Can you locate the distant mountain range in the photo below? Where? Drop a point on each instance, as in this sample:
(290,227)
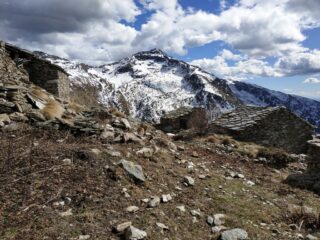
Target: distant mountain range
(149,84)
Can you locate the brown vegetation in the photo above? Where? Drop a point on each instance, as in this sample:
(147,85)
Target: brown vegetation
(40,93)
(52,110)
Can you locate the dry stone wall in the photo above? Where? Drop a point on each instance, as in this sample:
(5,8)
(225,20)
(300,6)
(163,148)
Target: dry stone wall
(271,127)
(40,72)
(184,118)
(311,178)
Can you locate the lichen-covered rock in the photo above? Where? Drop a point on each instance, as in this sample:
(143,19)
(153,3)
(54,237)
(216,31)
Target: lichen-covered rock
(234,234)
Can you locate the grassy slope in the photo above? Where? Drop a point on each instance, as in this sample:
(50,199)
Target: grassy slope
(33,177)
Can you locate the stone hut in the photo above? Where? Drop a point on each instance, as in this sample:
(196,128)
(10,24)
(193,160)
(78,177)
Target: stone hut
(267,126)
(41,72)
(184,118)
(311,178)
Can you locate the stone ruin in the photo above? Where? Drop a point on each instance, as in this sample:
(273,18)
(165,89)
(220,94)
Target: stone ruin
(311,178)
(184,118)
(267,126)
(41,72)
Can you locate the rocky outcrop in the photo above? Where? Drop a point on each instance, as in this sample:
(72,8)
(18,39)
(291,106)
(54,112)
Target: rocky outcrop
(267,126)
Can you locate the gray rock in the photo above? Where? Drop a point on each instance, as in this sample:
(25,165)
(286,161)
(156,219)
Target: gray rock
(18,117)
(311,237)
(189,181)
(146,152)
(107,135)
(133,233)
(134,170)
(132,209)
(154,202)
(166,198)
(217,229)
(210,220)
(195,213)
(162,226)
(182,208)
(4,119)
(234,234)
(125,123)
(219,219)
(122,227)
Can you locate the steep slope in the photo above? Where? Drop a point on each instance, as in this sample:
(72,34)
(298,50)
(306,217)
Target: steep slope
(150,83)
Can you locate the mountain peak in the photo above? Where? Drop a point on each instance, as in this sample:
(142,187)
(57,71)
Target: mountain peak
(153,53)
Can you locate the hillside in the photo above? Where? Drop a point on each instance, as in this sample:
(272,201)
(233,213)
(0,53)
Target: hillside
(150,83)
(74,172)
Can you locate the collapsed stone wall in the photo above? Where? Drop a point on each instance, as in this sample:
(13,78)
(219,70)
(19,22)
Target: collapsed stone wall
(9,72)
(311,178)
(49,77)
(40,72)
(272,127)
(184,119)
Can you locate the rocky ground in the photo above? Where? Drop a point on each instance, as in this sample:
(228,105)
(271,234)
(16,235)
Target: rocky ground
(59,185)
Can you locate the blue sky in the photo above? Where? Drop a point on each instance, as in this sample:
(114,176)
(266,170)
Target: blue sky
(272,43)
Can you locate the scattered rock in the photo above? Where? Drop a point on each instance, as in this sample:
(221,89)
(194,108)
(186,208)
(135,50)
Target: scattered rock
(195,154)
(126,123)
(145,152)
(134,170)
(219,219)
(133,233)
(189,181)
(154,202)
(166,198)
(66,213)
(67,161)
(182,208)
(113,153)
(162,226)
(234,234)
(122,227)
(217,229)
(210,220)
(311,237)
(195,213)
(132,209)
(84,237)
(4,119)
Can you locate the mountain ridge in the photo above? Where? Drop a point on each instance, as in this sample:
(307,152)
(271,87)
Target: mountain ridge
(151,83)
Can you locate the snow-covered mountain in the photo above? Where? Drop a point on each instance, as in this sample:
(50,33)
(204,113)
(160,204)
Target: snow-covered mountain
(150,83)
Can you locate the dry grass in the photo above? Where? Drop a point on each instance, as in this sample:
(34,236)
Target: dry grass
(76,107)
(117,113)
(222,139)
(40,93)
(52,110)
(276,157)
(33,177)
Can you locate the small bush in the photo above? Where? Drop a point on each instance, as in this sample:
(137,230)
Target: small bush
(213,139)
(276,157)
(52,110)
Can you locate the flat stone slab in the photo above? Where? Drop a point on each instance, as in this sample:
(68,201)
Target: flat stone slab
(134,170)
